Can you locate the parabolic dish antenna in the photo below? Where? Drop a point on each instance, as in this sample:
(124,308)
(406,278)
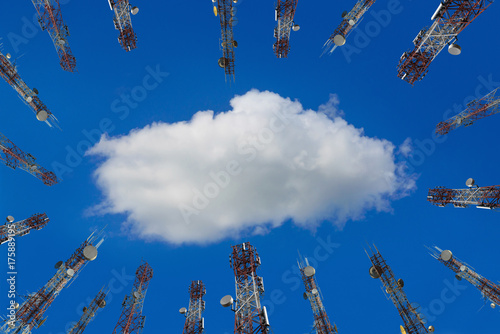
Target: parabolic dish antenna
(136,295)
(458,277)
(58,265)
(470,182)
(227,301)
(401,283)
(314,291)
(454,49)
(42,115)
(10,219)
(463,268)
(493,305)
(182,310)
(374,273)
(339,40)
(134,10)
(29,99)
(352,22)
(70,272)
(309,271)
(446,255)
(90,252)
(304,295)
(102,303)
(431,329)
(295,27)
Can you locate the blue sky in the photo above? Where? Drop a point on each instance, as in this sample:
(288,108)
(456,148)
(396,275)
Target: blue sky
(181,39)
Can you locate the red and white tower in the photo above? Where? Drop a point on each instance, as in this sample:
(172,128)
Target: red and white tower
(50,19)
(322,324)
(123,23)
(449,19)
(250,316)
(481,197)
(29,315)
(285,11)
(413,321)
(23,227)
(89,313)
(131,320)
(195,323)
(227,16)
(462,270)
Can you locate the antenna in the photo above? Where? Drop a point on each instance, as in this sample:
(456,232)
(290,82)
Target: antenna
(481,197)
(123,23)
(284,14)
(89,312)
(23,227)
(194,321)
(227,18)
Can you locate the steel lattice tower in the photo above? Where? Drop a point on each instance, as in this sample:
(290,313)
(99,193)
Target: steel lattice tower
(413,322)
(321,322)
(29,315)
(450,18)
(349,22)
(123,23)
(285,11)
(23,227)
(89,313)
(13,157)
(486,106)
(131,320)
(195,323)
(488,289)
(481,197)
(227,18)
(50,18)
(27,95)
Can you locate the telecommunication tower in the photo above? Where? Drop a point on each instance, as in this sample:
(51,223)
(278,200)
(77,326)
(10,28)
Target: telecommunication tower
(23,227)
(131,320)
(462,270)
(250,316)
(123,23)
(27,95)
(13,157)
(486,106)
(413,321)
(50,19)
(227,17)
(321,322)
(481,197)
(89,313)
(349,22)
(284,13)
(195,323)
(450,18)
(29,315)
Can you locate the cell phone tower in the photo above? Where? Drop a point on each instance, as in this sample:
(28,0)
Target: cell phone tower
(195,323)
(450,18)
(481,197)
(13,157)
(29,315)
(123,23)
(349,22)
(462,270)
(321,322)
(486,106)
(250,316)
(227,16)
(27,95)
(23,227)
(284,13)
(50,19)
(413,321)
(89,313)
(131,320)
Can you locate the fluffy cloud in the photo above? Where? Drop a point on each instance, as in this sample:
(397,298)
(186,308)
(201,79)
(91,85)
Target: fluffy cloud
(246,171)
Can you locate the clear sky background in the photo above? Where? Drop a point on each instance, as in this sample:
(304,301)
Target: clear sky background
(286,199)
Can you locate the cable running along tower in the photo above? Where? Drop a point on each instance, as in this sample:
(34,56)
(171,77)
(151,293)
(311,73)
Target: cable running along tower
(321,322)
(481,197)
(227,17)
(123,23)
(29,315)
(13,157)
(89,313)
(413,321)
(284,13)
(250,316)
(23,227)
(50,19)
(195,323)
(131,320)
(450,18)
(486,106)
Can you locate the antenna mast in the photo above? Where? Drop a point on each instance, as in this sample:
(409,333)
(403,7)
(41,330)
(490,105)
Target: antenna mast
(285,11)
(123,23)
(227,15)
(481,197)
(89,313)
(195,323)
(23,227)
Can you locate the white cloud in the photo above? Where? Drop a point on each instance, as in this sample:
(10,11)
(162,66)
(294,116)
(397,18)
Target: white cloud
(245,171)
(406,148)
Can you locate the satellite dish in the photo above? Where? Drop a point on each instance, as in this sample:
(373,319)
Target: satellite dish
(304,295)
(431,329)
(90,252)
(374,273)
(222,62)
(446,255)
(454,49)
(58,265)
(42,115)
(235,1)
(70,272)
(470,182)
(344,13)
(463,268)
(16,305)
(10,219)
(388,290)
(314,291)
(8,55)
(84,309)
(61,41)
(235,44)
(136,295)
(402,329)
(182,310)
(227,301)
(309,271)
(35,91)
(458,277)
(134,10)
(295,27)
(29,99)
(401,283)
(339,40)
(352,22)
(102,303)
(493,305)
(215,10)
